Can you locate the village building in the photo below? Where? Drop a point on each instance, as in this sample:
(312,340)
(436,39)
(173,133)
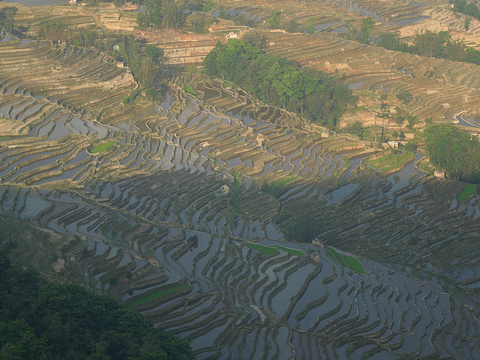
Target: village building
(393,144)
(439,174)
(232,35)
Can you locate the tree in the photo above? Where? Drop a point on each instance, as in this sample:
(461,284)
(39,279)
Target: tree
(7,18)
(153,53)
(428,44)
(68,322)
(466,23)
(53,30)
(454,151)
(389,41)
(292,26)
(367,26)
(456,50)
(309,26)
(404,96)
(275,21)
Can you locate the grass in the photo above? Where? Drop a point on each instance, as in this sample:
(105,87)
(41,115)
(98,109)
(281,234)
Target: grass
(272,250)
(468,190)
(227,84)
(347,261)
(190,90)
(290,250)
(264,249)
(276,186)
(237,182)
(102,147)
(157,295)
(391,161)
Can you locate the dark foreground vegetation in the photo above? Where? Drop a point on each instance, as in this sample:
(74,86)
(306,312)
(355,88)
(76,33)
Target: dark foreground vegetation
(40,320)
(455,151)
(314,95)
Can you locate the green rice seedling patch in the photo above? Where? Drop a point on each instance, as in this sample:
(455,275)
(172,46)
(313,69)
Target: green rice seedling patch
(468,190)
(227,84)
(263,249)
(276,186)
(391,161)
(4,138)
(190,90)
(290,250)
(157,295)
(236,180)
(347,261)
(399,161)
(102,147)
(281,183)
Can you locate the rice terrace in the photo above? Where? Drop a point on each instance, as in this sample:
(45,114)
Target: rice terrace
(265,179)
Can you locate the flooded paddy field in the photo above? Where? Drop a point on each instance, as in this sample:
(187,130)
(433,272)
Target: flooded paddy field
(183,210)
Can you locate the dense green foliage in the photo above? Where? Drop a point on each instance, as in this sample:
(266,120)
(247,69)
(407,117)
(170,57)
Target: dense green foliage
(7,18)
(41,320)
(363,34)
(162,14)
(305,228)
(53,30)
(439,45)
(277,81)
(454,151)
(463,7)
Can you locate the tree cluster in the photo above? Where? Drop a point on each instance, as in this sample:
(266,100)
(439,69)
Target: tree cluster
(40,320)
(454,151)
(162,14)
(277,21)
(279,82)
(463,7)
(363,34)
(7,18)
(439,45)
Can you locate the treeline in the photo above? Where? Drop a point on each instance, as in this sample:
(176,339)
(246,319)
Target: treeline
(167,14)
(279,82)
(454,151)
(40,320)
(439,45)
(463,7)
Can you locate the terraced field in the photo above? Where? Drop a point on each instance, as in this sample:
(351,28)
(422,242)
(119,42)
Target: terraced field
(331,15)
(441,88)
(184,215)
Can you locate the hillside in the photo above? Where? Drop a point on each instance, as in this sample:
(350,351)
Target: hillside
(240,226)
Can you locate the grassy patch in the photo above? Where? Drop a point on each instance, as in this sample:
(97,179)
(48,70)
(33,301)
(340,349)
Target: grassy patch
(102,147)
(237,181)
(290,250)
(468,190)
(190,90)
(227,84)
(276,186)
(392,160)
(264,249)
(152,297)
(3,138)
(347,261)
